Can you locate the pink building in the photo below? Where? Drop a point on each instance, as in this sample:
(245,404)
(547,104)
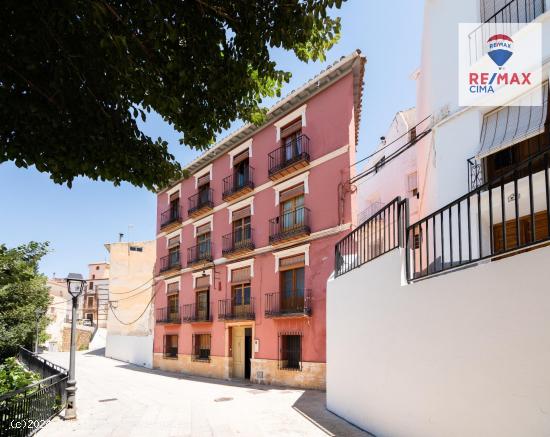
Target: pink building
(245,245)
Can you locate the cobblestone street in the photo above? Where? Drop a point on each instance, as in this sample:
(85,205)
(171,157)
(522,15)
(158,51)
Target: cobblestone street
(119,399)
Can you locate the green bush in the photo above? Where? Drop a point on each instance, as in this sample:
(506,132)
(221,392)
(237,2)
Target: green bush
(14,376)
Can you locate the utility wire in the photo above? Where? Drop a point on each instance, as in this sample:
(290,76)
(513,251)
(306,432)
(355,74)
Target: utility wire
(139,317)
(126,292)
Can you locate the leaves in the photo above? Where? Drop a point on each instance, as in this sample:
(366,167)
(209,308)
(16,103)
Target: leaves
(14,376)
(76,75)
(22,291)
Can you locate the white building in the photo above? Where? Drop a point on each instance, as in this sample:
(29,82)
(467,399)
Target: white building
(444,329)
(130,319)
(57,311)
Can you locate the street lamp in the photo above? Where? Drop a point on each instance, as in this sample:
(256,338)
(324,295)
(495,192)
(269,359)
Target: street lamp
(38,313)
(75,286)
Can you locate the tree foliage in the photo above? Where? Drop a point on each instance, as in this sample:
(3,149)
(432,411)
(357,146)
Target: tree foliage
(22,291)
(14,376)
(77,74)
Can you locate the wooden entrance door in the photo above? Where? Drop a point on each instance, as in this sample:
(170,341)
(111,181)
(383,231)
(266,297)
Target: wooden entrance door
(238,351)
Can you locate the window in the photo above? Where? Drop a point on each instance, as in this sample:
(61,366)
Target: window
(90,301)
(412,184)
(241,174)
(173,308)
(203,245)
(290,351)
(202,305)
(291,136)
(174,206)
(91,285)
(136,249)
(292,212)
(170,346)
(97,267)
(240,294)
(173,251)
(204,194)
(173,287)
(241,230)
(292,286)
(201,347)
(93,276)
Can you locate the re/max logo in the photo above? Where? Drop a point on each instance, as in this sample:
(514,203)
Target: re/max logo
(483,82)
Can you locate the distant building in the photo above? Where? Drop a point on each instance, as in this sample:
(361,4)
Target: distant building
(130,308)
(96,295)
(56,312)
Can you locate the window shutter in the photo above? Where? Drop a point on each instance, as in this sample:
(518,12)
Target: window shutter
(174,196)
(291,128)
(202,282)
(240,275)
(173,288)
(291,192)
(292,262)
(412,181)
(203,180)
(509,125)
(241,213)
(173,242)
(203,229)
(240,157)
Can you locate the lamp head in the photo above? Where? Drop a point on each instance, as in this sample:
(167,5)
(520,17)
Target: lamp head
(75,284)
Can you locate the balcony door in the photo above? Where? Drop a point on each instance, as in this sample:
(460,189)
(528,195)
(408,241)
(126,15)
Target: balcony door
(292,212)
(292,290)
(173,310)
(241,231)
(174,207)
(204,194)
(241,299)
(240,174)
(203,246)
(202,301)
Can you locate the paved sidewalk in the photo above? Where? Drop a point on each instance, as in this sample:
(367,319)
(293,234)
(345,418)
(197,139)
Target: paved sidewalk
(119,399)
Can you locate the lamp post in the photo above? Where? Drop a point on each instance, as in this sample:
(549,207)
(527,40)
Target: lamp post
(75,286)
(38,313)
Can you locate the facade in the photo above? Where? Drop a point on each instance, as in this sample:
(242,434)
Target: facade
(245,244)
(96,294)
(57,312)
(130,318)
(452,307)
(391,170)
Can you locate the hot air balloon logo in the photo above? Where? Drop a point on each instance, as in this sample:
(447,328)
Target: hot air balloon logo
(500,48)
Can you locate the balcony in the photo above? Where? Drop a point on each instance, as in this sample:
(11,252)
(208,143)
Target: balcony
(170,219)
(233,309)
(170,262)
(289,226)
(201,203)
(168,315)
(292,303)
(238,184)
(237,243)
(199,254)
(196,313)
(289,158)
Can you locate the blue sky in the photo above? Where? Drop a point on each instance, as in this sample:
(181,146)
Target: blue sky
(78,221)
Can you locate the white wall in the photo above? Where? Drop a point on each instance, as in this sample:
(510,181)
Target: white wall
(463,354)
(132,349)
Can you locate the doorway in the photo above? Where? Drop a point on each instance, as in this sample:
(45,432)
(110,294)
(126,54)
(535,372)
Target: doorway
(242,351)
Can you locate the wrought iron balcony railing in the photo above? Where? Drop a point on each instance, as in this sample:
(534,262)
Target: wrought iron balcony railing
(170,261)
(293,152)
(200,253)
(237,241)
(196,313)
(236,309)
(171,215)
(290,224)
(288,303)
(236,182)
(203,199)
(168,315)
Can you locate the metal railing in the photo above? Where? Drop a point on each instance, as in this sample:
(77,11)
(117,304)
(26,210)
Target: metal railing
(503,20)
(289,224)
(203,199)
(289,154)
(237,241)
(170,261)
(381,233)
(235,182)
(368,212)
(171,215)
(25,411)
(200,253)
(233,309)
(288,303)
(196,313)
(501,216)
(168,315)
